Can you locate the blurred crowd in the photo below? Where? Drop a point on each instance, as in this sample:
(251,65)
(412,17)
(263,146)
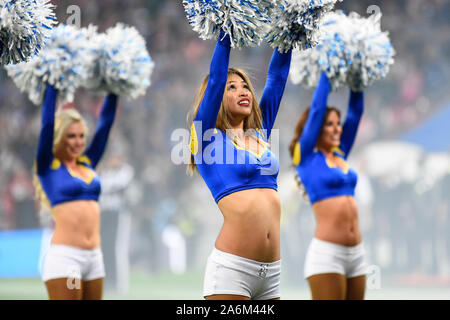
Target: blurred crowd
(404,231)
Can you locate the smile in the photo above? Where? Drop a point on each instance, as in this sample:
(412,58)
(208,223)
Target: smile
(244,102)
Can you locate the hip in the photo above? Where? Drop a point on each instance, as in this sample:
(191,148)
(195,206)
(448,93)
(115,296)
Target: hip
(327,257)
(85,240)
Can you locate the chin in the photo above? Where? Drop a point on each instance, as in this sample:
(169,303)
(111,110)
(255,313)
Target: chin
(75,155)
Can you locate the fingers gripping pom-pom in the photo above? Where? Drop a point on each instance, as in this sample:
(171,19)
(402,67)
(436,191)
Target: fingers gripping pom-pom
(296,24)
(353,52)
(24,27)
(63,63)
(123,65)
(246,21)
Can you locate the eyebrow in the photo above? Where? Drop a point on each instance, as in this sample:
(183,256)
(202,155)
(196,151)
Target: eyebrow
(237,81)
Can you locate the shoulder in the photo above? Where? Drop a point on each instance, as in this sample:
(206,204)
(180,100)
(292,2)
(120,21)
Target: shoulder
(84,159)
(338,151)
(261,133)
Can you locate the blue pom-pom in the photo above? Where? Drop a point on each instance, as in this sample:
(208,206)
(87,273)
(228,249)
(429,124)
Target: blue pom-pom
(122,64)
(296,24)
(63,63)
(24,27)
(246,21)
(353,52)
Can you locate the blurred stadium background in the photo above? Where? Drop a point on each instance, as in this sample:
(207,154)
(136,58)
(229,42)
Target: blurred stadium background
(169,221)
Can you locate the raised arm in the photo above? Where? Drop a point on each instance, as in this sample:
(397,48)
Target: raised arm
(44,155)
(350,128)
(316,114)
(95,150)
(210,105)
(273,91)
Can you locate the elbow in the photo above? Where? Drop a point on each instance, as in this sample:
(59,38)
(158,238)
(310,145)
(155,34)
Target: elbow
(217,81)
(317,108)
(278,77)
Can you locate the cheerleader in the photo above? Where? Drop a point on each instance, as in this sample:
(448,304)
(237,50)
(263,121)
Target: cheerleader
(335,265)
(241,173)
(66,182)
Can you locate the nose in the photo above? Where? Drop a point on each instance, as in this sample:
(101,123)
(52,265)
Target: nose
(244,93)
(79,141)
(338,129)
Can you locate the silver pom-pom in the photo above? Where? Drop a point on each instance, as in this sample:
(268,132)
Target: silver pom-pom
(353,52)
(296,24)
(246,21)
(24,27)
(122,65)
(62,63)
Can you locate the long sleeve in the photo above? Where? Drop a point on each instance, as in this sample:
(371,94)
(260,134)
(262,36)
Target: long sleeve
(44,155)
(273,91)
(317,111)
(350,128)
(98,144)
(210,105)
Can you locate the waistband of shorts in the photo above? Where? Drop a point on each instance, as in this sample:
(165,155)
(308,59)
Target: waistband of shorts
(336,248)
(232,260)
(62,248)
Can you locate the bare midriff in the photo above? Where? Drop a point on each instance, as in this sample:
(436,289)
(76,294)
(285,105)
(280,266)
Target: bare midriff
(251,227)
(77,224)
(337,220)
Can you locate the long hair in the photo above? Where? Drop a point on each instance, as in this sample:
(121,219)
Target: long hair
(299,127)
(253,121)
(63,119)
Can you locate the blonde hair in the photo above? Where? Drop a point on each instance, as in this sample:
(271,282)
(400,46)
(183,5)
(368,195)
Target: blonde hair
(253,121)
(63,119)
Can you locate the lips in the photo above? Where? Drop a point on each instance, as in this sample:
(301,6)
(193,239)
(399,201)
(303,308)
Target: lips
(75,151)
(244,102)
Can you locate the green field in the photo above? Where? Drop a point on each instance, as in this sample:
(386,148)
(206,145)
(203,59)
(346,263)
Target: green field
(143,286)
(167,286)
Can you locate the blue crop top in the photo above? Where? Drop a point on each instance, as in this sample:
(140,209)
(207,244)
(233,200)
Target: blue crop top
(225,167)
(59,184)
(321,179)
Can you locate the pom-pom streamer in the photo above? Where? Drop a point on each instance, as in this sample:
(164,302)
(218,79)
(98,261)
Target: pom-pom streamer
(246,21)
(25,25)
(122,65)
(63,63)
(353,52)
(296,24)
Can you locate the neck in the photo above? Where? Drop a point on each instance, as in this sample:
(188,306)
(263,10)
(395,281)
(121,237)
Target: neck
(326,151)
(238,128)
(68,162)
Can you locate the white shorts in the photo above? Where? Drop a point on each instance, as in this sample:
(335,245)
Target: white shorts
(328,257)
(227,273)
(63,261)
